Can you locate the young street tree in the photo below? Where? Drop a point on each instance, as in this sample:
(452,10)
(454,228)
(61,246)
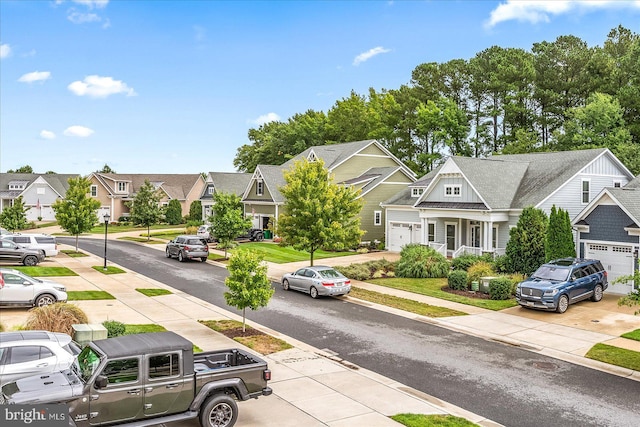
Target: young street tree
(76,213)
(14,217)
(173,213)
(318,213)
(559,240)
(248,283)
(227,220)
(525,249)
(145,208)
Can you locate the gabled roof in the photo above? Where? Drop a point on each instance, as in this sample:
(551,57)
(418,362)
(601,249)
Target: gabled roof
(230,182)
(273,178)
(175,186)
(634,183)
(57,181)
(628,199)
(374,177)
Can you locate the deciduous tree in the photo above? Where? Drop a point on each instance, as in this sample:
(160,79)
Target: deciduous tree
(249,286)
(76,213)
(318,213)
(22,169)
(14,217)
(227,219)
(145,208)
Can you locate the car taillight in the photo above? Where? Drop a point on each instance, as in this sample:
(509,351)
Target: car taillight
(348,282)
(187,248)
(328,284)
(266,374)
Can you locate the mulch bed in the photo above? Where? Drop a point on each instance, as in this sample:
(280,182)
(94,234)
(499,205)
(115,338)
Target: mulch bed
(237,332)
(469,294)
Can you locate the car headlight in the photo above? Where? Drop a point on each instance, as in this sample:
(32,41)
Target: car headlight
(550,292)
(60,288)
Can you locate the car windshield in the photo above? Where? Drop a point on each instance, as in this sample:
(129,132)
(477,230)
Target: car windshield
(547,272)
(88,361)
(329,274)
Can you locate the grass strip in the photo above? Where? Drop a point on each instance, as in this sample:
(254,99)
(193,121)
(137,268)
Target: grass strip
(403,303)
(252,338)
(46,271)
(433,288)
(421,420)
(633,335)
(73,254)
(153,292)
(142,240)
(88,295)
(131,329)
(615,356)
(110,269)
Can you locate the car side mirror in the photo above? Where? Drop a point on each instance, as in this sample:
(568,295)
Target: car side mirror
(26,283)
(101,382)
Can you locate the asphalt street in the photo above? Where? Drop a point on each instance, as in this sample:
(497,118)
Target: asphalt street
(509,385)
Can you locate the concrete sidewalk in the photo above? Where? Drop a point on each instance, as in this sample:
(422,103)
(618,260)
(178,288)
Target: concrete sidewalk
(310,387)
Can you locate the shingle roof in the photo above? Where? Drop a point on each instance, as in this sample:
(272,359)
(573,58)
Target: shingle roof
(57,181)
(230,182)
(332,154)
(634,183)
(177,186)
(629,199)
(375,176)
(273,177)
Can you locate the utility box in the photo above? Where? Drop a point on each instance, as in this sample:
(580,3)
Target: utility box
(484,283)
(84,333)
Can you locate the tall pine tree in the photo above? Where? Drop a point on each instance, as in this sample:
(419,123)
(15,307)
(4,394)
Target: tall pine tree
(559,240)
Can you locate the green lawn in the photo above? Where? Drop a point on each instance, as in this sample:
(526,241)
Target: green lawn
(633,335)
(143,240)
(165,235)
(110,269)
(113,228)
(73,254)
(46,271)
(433,288)
(615,356)
(403,303)
(273,252)
(421,420)
(143,328)
(153,292)
(89,295)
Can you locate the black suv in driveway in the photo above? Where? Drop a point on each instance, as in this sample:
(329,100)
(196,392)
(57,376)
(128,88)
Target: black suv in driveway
(561,282)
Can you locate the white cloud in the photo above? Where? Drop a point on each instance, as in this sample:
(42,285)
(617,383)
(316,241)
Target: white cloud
(82,18)
(5,51)
(365,56)
(265,118)
(98,4)
(47,134)
(79,131)
(535,11)
(100,87)
(36,76)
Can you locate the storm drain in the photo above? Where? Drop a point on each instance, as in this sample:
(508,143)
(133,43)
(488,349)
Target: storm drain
(545,366)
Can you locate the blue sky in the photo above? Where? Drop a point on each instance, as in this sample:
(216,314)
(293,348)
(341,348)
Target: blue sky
(174,86)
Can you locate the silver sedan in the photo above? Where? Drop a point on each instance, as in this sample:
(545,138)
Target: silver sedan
(316,281)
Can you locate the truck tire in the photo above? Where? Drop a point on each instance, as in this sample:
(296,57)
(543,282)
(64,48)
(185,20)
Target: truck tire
(219,410)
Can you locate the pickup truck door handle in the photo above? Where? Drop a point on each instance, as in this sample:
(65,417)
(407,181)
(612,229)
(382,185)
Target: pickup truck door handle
(148,389)
(171,386)
(134,391)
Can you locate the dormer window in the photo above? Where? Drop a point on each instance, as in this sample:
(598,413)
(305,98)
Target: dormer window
(210,190)
(122,187)
(452,191)
(417,192)
(17,185)
(259,187)
(312,157)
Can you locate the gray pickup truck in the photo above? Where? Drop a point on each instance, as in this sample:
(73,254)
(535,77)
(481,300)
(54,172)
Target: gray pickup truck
(148,379)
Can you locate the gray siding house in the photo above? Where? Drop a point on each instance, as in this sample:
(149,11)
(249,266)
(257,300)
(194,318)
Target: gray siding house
(222,182)
(468,205)
(38,191)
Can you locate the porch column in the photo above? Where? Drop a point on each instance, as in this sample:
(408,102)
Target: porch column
(489,246)
(424,231)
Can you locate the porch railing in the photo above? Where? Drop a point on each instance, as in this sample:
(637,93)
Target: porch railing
(439,247)
(467,250)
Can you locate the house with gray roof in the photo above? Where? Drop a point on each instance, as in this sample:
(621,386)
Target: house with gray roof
(366,166)
(609,230)
(222,182)
(38,191)
(468,205)
(115,190)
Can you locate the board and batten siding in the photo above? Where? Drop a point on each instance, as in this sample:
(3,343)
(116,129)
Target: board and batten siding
(607,223)
(606,167)
(403,215)
(467,194)
(371,204)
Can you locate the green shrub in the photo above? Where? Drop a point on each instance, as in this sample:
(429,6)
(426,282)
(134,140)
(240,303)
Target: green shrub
(458,280)
(114,328)
(478,270)
(464,261)
(124,219)
(194,223)
(355,271)
(173,212)
(500,288)
(1,327)
(192,230)
(417,261)
(501,264)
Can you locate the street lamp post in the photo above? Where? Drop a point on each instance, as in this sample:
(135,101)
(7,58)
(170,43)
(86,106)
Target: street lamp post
(106,226)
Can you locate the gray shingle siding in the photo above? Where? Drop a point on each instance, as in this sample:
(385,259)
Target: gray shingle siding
(607,223)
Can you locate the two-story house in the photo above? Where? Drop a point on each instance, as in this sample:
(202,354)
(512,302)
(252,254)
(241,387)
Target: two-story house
(222,182)
(114,190)
(470,204)
(38,191)
(365,165)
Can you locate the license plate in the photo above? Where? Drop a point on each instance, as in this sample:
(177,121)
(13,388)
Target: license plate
(530,303)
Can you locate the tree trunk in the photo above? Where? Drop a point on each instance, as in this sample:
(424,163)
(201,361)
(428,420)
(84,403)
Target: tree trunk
(148,232)
(243,321)
(76,243)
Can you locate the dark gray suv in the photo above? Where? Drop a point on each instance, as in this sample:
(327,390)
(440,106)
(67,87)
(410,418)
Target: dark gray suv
(16,254)
(561,282)
(187,247)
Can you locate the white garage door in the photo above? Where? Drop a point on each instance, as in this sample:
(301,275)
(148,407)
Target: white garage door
(399,235)
(617,260)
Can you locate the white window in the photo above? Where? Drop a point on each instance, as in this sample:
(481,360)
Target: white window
(377,218)
(452,191)
(210,190)
(94,191)
(416,192)
(122,187)
(259,188)
(586,196)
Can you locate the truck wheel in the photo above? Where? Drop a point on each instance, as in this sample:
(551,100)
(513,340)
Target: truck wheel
(219,411)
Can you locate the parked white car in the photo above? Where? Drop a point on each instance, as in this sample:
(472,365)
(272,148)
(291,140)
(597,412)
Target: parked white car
(43,243)
(18,289)
(25,353)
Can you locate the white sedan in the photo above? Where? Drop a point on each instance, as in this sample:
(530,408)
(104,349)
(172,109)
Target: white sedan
(25,353)
(316,281)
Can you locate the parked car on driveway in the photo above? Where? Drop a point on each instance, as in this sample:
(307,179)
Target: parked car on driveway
(42,243)
(204,231)
(13,253)
(18,289)
(317,281)
(25,353)
(561,282)
(186,247)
